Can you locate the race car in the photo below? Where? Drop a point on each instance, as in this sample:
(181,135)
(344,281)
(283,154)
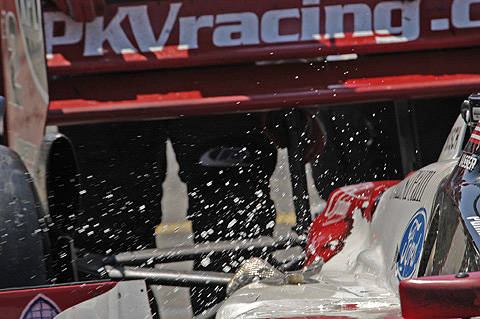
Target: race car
(416,239)
(325,54)
(388,249)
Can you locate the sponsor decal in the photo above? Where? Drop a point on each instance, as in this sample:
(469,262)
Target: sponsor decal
(152,28)
(452,148)
(411,245)
(238,28)
(40,307)
(475,223)
(453,139)
(414,187)
(472,225)
(468,162)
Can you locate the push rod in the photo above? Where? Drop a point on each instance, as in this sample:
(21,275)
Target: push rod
(182,253)
(169,277)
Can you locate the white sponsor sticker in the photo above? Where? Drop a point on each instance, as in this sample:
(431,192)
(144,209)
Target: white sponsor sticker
(468,162)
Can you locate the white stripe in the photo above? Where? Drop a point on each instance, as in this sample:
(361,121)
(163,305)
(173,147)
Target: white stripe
(475,136)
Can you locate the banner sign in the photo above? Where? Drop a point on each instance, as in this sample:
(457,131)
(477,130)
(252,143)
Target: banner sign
(156,34)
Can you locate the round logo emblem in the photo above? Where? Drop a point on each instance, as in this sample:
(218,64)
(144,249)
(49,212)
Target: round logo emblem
(411,245)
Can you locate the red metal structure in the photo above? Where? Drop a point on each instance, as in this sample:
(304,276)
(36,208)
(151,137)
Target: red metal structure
(177,55)
(163,59)
(14,303)
(394,50)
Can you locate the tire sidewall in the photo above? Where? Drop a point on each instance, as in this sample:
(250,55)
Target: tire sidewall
(22,261)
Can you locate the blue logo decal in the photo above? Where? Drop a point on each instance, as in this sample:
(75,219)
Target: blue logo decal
(411,245)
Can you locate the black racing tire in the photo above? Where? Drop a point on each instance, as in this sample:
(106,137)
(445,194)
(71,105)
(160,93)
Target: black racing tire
(22,261)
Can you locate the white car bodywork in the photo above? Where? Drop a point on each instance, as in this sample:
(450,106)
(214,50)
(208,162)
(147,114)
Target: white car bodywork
(127,300)
(362,280)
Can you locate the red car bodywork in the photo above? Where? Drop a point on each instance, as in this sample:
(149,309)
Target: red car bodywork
(15,302)
(280,54)
(155,34)
(328,230)
(140,59)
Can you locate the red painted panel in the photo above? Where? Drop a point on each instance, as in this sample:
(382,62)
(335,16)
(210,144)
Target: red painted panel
(14,302)
(328,232)
(24,75)
(249,87)
(164,34)
(444,296)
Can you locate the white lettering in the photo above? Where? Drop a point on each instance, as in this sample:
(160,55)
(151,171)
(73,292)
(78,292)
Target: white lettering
(409,29)
(189,27)
(461,14)
(412,188)
(468,162)
(142,28)
(73,31)
(384,22)
(96,35)
(475,223)
(335,16)
(246,29)
(271,25)
(310,22)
